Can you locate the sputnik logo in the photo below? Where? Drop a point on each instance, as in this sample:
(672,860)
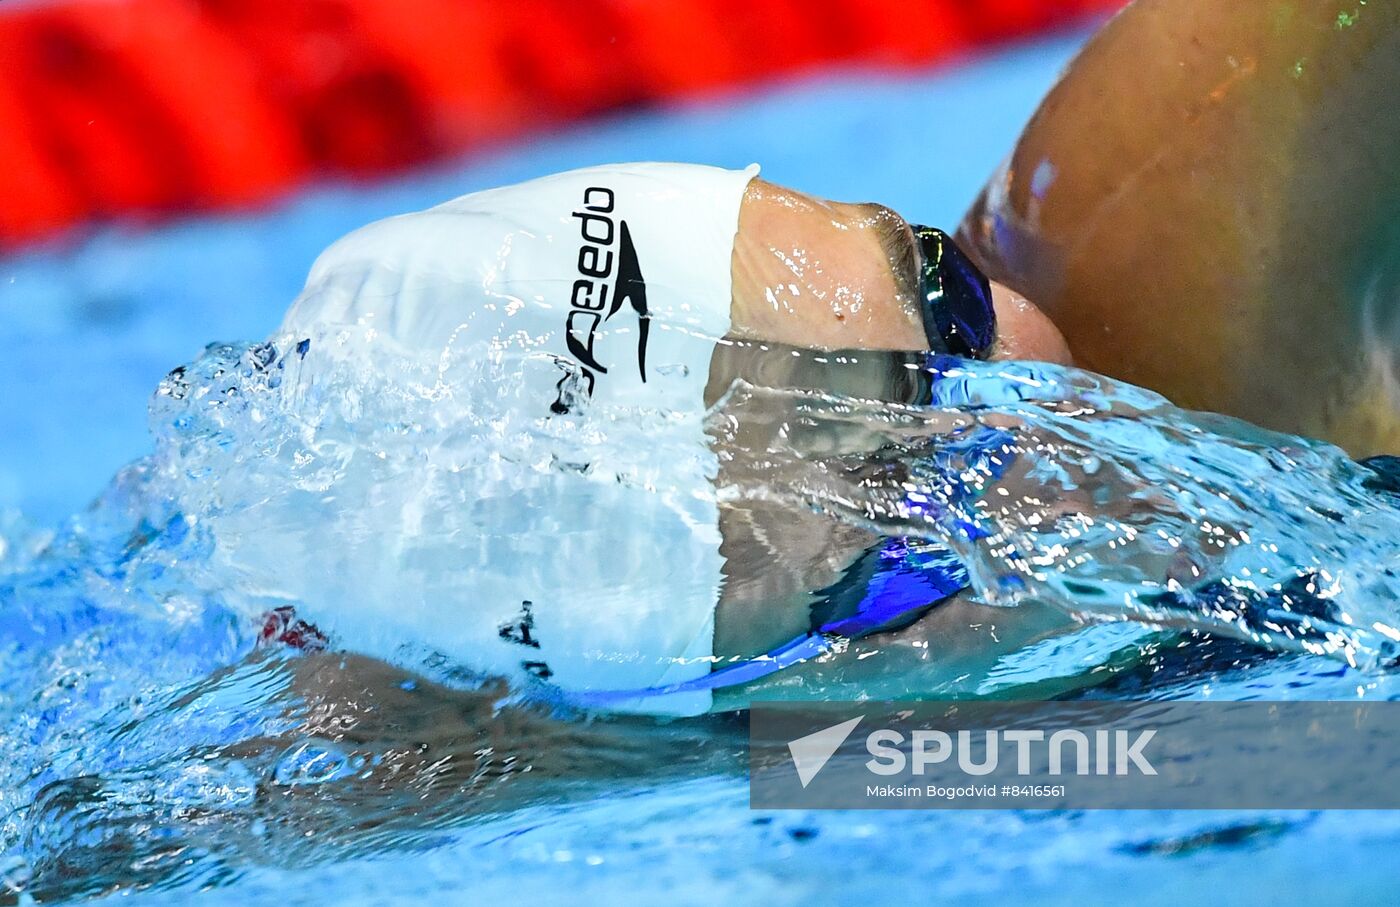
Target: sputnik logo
(811,753)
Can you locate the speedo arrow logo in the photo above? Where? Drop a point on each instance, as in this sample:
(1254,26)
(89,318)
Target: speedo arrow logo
(610,276)
(810,754)
(632,287)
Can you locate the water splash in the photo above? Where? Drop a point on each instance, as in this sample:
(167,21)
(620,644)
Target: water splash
(1062,487)
(1054,486)
(1107,534)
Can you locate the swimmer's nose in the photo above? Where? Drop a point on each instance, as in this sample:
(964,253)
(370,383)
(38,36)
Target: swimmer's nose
(955,298)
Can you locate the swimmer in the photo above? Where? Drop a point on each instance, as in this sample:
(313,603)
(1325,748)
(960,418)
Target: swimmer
(1166,249)
(610,290)
(1206,205)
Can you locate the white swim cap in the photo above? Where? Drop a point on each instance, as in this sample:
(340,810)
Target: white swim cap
(621,271)
(603,291)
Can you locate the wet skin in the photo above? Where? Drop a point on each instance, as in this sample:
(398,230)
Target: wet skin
(1207,205)
(843,276)
(816,275)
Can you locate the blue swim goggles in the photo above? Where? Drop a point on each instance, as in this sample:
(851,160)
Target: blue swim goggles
(955,298)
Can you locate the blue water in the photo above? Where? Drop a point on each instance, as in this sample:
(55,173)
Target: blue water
(145,748)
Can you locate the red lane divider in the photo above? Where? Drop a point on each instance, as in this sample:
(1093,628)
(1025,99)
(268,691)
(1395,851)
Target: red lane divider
(142,107)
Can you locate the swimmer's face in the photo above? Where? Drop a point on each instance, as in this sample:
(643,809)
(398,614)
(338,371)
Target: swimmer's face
(834,275)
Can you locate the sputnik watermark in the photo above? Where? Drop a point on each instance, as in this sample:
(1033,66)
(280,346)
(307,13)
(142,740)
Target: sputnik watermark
(1075,755)
(811,753)
(1112,752)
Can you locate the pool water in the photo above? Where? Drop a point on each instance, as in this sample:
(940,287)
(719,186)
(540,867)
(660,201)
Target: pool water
(151,748)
